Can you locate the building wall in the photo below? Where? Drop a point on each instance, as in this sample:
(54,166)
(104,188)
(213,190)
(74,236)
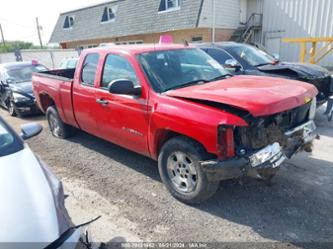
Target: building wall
(50,58)
(179,36)
(227,14)
(296,19)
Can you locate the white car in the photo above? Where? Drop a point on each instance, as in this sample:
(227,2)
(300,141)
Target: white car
(32,211)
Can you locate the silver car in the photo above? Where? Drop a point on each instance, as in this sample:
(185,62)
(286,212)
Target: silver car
(32,211)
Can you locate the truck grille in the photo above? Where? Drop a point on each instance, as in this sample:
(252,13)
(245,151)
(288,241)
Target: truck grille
(267,130)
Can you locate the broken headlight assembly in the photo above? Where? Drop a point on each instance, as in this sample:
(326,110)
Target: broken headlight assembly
(313,108)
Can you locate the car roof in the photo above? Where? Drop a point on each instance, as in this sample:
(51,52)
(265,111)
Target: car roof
(223,44)
(17,64)
(137,48)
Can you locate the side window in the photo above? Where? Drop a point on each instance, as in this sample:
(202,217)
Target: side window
(117,67)
(219,55)
(89,69)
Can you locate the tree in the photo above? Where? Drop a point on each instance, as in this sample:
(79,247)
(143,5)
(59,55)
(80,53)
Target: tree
(11,46)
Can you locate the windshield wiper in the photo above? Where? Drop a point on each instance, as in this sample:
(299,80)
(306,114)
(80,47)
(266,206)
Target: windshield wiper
(221,77)
(264,64)
(194,82)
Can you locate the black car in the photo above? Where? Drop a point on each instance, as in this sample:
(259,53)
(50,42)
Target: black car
(16,87)
(246,59)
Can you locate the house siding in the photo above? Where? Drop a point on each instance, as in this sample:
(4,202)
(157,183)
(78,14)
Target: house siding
(227,14)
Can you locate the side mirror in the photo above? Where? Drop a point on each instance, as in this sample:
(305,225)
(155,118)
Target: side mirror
(124,86)
(276,56)
(9,81)
(30,130)
(232,64)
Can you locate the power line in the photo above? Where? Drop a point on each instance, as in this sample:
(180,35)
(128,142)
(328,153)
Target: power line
(17,24)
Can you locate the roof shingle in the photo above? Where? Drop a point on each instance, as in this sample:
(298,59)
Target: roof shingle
(132,17)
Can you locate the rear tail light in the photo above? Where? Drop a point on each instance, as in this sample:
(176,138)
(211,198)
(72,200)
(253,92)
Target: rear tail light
(226,144)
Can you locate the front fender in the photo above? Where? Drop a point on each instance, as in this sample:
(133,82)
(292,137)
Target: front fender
(197,121)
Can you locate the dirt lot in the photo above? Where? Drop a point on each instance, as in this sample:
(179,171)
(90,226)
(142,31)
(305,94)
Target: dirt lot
(125,188)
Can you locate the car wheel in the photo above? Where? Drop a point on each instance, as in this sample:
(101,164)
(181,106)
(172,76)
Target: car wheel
(57,127)
(12,109)
(180,170)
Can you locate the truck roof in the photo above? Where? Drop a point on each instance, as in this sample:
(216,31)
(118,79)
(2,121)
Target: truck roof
(138,48)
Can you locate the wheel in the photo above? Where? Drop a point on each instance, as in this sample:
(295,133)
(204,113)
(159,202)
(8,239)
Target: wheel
(180,171)
(57,127)
(12,109)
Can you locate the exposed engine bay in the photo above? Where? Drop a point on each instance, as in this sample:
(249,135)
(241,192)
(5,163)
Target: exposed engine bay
(268,130)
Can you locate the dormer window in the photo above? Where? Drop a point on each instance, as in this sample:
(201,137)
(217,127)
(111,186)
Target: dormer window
(169,5)
(69,22)
(109,14)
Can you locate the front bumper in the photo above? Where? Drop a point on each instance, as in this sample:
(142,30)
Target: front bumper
(27,107)
(267,158)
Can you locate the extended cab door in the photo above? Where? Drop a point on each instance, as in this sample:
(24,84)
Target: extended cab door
(122,119)
(84,100)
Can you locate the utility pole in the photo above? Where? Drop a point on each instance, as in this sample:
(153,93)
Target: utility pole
(38,31)
(213,20)
(2,37)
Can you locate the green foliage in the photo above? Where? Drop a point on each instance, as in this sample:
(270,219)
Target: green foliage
(10,46)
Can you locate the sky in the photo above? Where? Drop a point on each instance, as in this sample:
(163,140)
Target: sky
(18,17)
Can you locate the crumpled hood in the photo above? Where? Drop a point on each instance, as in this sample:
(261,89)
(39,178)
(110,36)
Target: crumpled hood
(27,210)
(260,96)
(24,87)
(295,70)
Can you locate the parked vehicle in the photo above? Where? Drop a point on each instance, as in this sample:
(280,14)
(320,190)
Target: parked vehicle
(177,105)
(16,88)
(69,63)
(32,200)
(246,59)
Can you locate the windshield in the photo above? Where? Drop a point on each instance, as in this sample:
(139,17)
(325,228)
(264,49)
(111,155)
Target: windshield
(252,55)
(22,73)
(170,69)
(9,142)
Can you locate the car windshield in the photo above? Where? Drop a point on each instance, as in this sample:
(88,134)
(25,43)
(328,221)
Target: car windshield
(22,73)
(9,142)
(252,55)
(177,68)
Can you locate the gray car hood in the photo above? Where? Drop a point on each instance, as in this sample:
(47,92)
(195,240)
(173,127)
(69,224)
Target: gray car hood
(295,70)
(27,210)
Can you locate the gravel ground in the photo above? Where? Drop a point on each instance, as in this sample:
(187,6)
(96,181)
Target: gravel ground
(126,189)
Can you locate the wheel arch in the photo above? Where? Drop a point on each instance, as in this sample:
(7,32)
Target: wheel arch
(164,135)
(45,101)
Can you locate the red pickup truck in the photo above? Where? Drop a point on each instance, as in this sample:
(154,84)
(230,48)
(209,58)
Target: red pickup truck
(177,105)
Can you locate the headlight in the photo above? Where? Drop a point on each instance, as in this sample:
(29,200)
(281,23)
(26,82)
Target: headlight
(19,97)
(313,108)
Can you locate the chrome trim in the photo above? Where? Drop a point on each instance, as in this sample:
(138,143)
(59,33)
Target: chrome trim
(307,127)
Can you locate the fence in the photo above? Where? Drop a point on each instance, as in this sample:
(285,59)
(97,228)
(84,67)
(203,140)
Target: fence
(51,58)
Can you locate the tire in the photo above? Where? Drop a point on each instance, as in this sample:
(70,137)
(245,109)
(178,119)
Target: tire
(180,171)
(12,109)
(57,127)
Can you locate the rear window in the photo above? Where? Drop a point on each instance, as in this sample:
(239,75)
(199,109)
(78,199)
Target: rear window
(89,69)
(22,73)
(9,141)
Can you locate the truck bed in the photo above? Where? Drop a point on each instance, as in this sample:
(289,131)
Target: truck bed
(60,74)
(55,86)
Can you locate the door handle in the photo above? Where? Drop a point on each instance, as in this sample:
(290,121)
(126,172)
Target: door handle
(102,101)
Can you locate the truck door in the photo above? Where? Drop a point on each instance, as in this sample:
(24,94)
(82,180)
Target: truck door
(84,101)
(121,119)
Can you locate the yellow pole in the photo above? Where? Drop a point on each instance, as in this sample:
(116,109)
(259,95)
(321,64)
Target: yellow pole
(303,52)
(313,53)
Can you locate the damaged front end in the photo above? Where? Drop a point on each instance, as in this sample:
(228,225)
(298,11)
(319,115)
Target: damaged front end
(263,145)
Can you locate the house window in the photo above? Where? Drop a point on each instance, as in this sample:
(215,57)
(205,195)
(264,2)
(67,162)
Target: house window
(109,14)
(168,5)
(69,22)
(197,39)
